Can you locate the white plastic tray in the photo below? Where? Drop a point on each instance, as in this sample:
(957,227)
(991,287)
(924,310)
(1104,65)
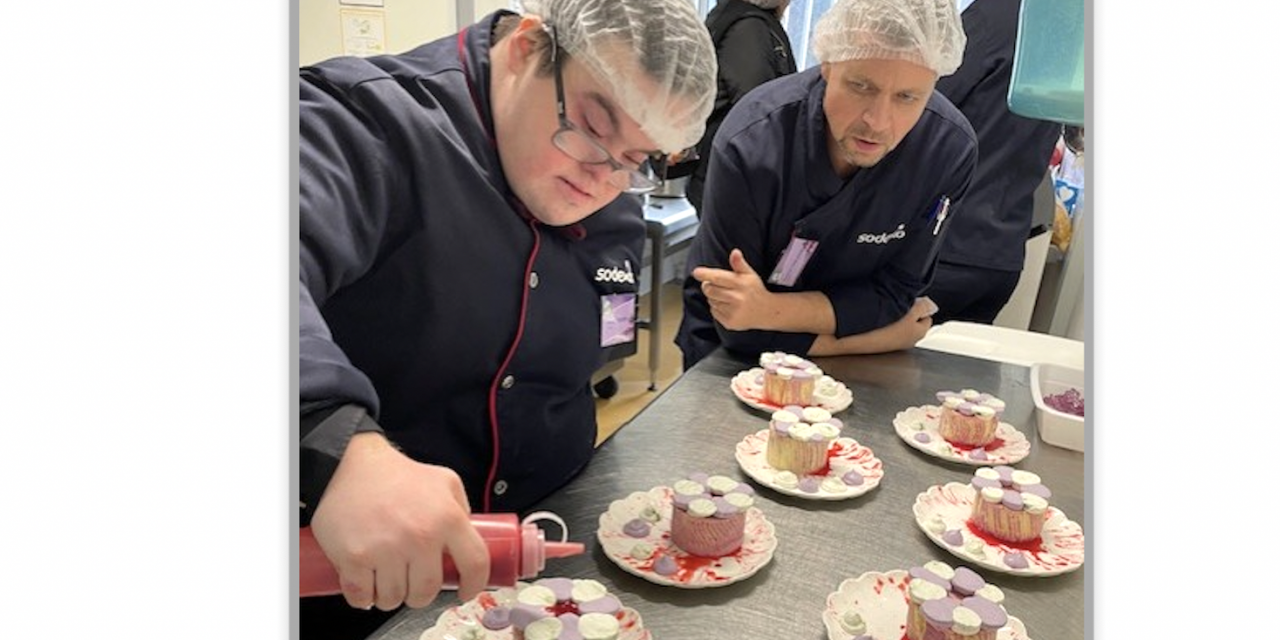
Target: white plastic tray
(1003,344)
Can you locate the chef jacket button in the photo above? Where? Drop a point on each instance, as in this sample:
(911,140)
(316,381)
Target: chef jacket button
(499,487)
(533,280)
(508,382)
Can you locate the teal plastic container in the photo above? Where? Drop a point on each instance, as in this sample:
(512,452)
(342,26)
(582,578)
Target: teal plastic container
(1048,62)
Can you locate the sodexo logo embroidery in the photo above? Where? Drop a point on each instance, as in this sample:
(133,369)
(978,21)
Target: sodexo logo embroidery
(614,274)
(883,238)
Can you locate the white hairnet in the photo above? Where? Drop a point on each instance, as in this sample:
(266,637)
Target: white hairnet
(927,32)
(664,38)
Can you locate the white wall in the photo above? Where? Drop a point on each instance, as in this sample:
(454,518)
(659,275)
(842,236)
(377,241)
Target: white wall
(404,24)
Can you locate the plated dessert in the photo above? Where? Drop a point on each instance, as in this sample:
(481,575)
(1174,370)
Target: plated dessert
(1002,521)
(969,418)
(978,444)
(928,602)
(703,531)
(784,379)
(547,609)
(843,468)
(799,438)
(788,379)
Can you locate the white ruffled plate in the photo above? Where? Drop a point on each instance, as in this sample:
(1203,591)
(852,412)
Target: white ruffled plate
(843,455)
(881,600)
(943,509)
(758,544)
(830,394)
(918,427)
(463,621)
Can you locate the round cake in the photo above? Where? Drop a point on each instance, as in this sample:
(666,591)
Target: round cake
(788,379)
(952,604)
(799,439)
(559,608)
(1011,504)
(709,514)
(969,417)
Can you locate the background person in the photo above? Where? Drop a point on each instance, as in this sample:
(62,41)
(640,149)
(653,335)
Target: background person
(983,254)
(752,48)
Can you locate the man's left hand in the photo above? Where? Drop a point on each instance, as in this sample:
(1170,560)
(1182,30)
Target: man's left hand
(738,298)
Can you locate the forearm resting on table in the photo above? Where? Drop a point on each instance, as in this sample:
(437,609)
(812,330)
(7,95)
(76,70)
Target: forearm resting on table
(903,333)
(880,340)
(799,312)
(812,312)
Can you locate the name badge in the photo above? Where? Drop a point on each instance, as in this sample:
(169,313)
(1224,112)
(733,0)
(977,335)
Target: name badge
(617,319)
(794,259)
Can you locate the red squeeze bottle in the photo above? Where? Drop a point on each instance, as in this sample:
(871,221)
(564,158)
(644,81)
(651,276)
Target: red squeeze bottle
(517,549)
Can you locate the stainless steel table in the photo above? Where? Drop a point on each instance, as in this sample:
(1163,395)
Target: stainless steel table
(695,424)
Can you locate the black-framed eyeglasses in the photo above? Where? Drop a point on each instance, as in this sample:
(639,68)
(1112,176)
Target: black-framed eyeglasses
(580,146)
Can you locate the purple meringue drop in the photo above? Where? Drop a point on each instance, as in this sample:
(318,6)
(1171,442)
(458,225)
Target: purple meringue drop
(699,477)
(921,573)
(978,454)
(606,604)
(966,582)
(953,537)
(636,528)
(496,618)
(724,508)
(570,629)
(1006,474)
(1012,500)
(852,478)
(561,587)
(810,484)
(938,612)
(993,615)
(523,615)
(1037,490)
(981,483)
(1015,560)
(665,565)
(922,437)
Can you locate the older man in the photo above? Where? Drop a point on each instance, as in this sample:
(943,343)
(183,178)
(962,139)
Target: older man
(828,192)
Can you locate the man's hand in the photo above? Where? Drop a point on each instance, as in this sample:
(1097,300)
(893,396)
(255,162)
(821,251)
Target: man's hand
(905,332)
(738,298)
(385,521)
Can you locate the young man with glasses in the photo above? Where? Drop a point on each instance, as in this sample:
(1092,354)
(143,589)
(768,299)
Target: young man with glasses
(463,238)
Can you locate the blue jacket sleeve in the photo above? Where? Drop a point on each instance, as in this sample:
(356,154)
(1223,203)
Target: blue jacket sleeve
(735,222)
(344,187)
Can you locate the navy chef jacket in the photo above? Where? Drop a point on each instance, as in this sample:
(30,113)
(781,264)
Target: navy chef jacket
(430,303)
(771,178)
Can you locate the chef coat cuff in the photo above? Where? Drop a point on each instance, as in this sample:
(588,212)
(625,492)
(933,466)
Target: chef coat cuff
(325,435)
